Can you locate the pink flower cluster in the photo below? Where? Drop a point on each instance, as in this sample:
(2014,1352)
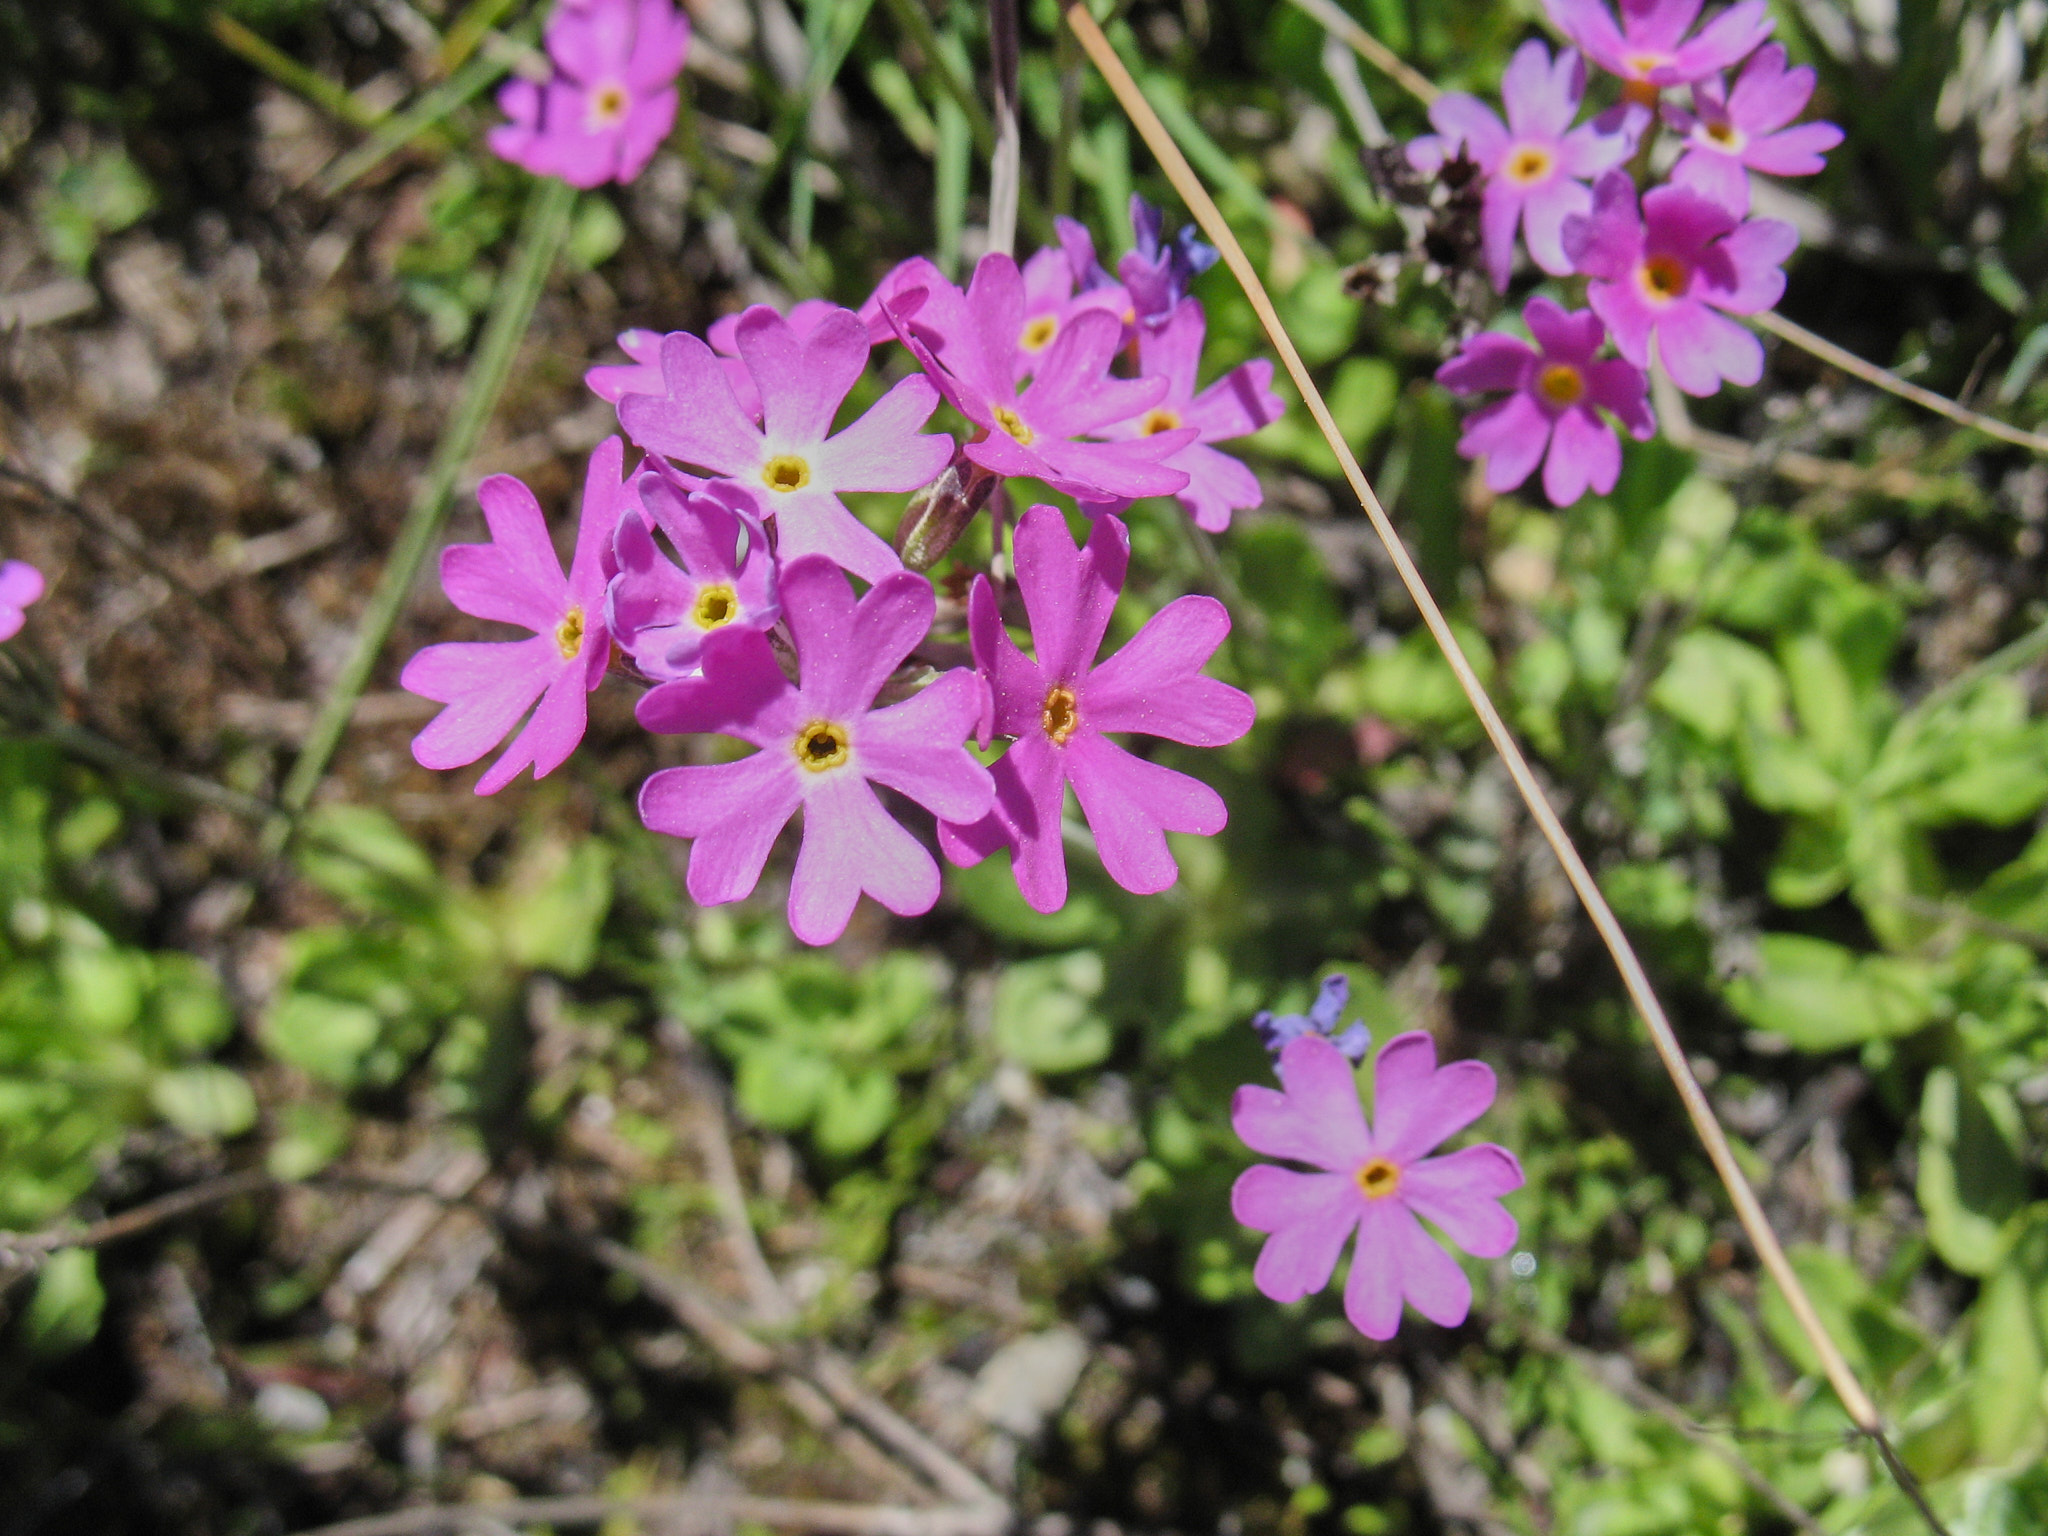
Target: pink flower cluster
(718,572)
(1664,268)
(21,584)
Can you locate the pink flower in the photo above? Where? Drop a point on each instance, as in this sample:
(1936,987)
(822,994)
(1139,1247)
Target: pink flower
(20,585)
(1050,304)
(1555,386)
(1649,50)
(1058,707)
(1072,393)
(661,614)
(1373,1182)
(1729,133)
(611,100)
(612,382)
(790,454)
(1239,403)
(517,578)
(1536,164)
(823,748)
(1663,272)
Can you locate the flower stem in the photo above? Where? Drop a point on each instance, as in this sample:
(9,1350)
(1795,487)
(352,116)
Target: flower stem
(1699,1109)
(1005,174)
(540,238)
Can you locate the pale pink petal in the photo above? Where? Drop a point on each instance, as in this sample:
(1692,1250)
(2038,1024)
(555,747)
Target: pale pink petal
(1569,336)
(1715,176)
(1544,212)
(660,40)
(1728,38)
(1154,684)
(1017,684)
(551,735)
(642,133)
(1311,1217)
(1031,792)
(1106,471)
(1621,388)
(846,650)
(1584,452)
(1541,101)
(1217,486)
(1236,405)
(1488,361)
(1372,1291)
(1500,210)
(1607,242)
(1510,435)
(1431,1279)
(1470,121)
(488,688)
(814,522)
(1757,253)
(1131,805)
(741,692)
(1700,348)
(883,451)
(1795,152)
(1629,318)
(1767,95)
(20,583)
(801,380)
(1173,351)
(918,748)
(1314,1117)
(1068,592)
(1074,391)
(1461,1193)
(851,845)
(1417,1104)
(592,41)
(695,419)
(733,810)
(607,499)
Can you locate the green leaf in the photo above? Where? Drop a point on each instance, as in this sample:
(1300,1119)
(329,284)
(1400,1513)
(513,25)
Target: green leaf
(311,1134)
(1971,1180)
(1715,683)
(595,234)
(64,1314)
(362,857)
(1784,774)
(554,905)
(1044,1015)
(780,1085)
(1821,997)
(989,891)
(1698,519)
(855,1111)
(2006,1363)
(204,1101)
(325,1037)
(187,1005)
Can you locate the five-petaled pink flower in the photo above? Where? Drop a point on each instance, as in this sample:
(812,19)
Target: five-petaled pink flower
(1239,403)
(20,585)
(824,746)
(1730,133)
(1058,707)
(790,455)
(661,614)
(1375,1180)
(1664,271)
(1536,164)
(1555,386)
(1050,302)
(517,578)
(611,100)
(970,344)
(1650,50)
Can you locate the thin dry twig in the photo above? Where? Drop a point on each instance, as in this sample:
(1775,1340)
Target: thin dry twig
(1861,1409)
(1372,50)
(27,1250)
(708,1512)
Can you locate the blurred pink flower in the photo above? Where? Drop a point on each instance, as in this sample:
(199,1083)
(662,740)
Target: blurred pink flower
(612,382)
(1649,49)
(1374,1182)
(1536,164)
(823,747)
(21,584)
(661,613)
(1058,707)
(790,456)
(1666,270)
(1549,417)
(611,100)
(1236,405)
(517,578)
(1730,133)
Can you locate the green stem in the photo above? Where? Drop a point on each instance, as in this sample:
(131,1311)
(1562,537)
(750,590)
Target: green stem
(394,133)
(540,238)
(289,72)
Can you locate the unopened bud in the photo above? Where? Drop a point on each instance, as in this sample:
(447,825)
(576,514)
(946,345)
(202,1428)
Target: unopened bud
(940,513)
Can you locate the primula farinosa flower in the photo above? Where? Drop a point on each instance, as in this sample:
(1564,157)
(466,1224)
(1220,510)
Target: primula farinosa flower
(1375,1180)
(661,614)
(1156,271)
(1071,394)
(1536,164)
(823,748)
(1664,271)
(790,456)
(1649,49)
(611,100)
(1276,1031)
(612,382)
(1239,403)
(1059,706)
(1550,414)
(1730,133)
(517,578)
(21,584)
(1051,302)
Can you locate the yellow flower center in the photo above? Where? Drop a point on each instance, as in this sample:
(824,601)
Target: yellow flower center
(1726,135)
(1060,716)
(785,472)
(715,606)
(822,745)
(1159,419)
(1378,1179)
(1561,384)
(1662,278)
(569,634)
(1642,91)
(1038,333)
(608,105)
(1013,424)
(1529,164)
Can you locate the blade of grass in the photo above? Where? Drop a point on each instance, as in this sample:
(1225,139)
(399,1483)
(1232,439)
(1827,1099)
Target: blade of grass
(949,202)
(400,129)
(1369,48)
(541,233)
(1862,1411)
(289,72)
(470,29)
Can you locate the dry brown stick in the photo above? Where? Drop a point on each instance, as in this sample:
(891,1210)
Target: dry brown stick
(1883,378)
(1861,1409)
(22,1250)
(1369,48)
(713,1130)
(709,1511)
